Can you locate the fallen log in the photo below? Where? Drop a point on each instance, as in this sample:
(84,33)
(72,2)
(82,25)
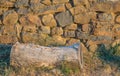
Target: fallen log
(23,55)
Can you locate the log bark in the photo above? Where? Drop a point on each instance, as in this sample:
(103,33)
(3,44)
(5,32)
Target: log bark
(23,55)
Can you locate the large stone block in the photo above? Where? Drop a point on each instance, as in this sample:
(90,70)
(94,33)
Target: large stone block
(48,20)
(10,17)
(64,18)
(82,18)
(51,9)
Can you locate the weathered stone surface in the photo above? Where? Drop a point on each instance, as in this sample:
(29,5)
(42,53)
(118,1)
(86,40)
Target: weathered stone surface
(3,10)
(30,19)
(59,1)
(46,2)
(29,28)
(57,31)
(68,5)
(10,17)
(28,37)
(71,27)
(103,17)
(82,18)
(18,28)
(45,29)
(78,9)
(82,35)
(6,39)
(25,55)
(117,19)
(102,32)
(72,41)
(52,9)
(93,48)
(102,7)
(64,18)
(55,40)
(35,6)
(21,3)
(6,4)
(48,20)
(83,2)
(9,30)
(69,33)
(86,28)
(22,11)
(116,7)
(116,31)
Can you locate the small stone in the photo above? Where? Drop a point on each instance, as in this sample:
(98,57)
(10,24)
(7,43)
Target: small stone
(93,48)
(64,18)
(29,28)
(48,20)
(68,5)
(81,2)
(10,17)
(46,2)
(18,28)
(77,10)
(55,40)
(51,9)
(72,41)
(102,7)
(45,29)
(21,3)
(9,30)
(22,11)
(117,19)
(85,28)
(28,37)
(82,18)
(57,31)
(103,17)
(69,33)
(82,35)
(71,27)
(30,19)
(59,1)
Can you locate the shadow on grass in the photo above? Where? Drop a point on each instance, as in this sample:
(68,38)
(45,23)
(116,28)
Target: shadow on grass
(109,56)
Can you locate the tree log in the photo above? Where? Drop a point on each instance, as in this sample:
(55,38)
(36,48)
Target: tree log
(23,55)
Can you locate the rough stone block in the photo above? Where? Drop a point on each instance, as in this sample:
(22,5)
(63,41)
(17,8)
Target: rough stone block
(64,18)
(69,33)
(57,31)
(48,20)
(10,17)
(82,18)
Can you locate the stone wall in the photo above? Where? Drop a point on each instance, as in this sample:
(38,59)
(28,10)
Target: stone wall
(59,22)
